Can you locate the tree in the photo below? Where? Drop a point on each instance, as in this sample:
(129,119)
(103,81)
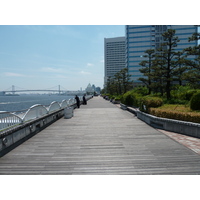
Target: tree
(110,86)
(193,74)
(117,78)
(157,77)
(179,71)
(125,80)
(146,70)
(120,83)
(166,59)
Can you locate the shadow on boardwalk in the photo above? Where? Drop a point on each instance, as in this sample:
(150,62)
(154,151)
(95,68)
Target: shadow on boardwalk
(100,139)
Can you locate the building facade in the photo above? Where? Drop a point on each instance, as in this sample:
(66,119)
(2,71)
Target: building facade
(139,38)
(114,56)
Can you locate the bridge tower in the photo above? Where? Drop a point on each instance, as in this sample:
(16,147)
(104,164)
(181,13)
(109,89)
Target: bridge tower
(13,89)
(59,89)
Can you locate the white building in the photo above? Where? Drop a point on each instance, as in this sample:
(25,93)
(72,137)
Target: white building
(89,89)
(114,56)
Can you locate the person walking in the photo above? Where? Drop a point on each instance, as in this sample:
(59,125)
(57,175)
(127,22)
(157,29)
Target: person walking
(84,100)
(77,101)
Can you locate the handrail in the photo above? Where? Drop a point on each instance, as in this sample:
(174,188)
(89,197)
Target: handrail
(35,111)
(64,104)
(54,106)
(8,120)
(71,101)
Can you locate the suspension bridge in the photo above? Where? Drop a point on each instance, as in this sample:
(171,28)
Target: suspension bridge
(56,89)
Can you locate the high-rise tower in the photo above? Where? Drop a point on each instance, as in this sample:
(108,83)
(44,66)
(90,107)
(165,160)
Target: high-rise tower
(114,56)
(139,38)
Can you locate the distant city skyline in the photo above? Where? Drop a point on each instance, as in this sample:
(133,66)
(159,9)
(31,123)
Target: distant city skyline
(38,56)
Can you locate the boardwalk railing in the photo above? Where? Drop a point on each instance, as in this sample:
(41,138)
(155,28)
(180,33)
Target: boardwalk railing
(9,119)
(35,111)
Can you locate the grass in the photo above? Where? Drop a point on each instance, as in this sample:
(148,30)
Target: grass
(177,112)
(178,108)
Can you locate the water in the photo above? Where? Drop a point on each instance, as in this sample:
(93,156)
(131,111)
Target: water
(24,102)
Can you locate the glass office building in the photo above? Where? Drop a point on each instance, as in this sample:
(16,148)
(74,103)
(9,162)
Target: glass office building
(114,56)
(139,38)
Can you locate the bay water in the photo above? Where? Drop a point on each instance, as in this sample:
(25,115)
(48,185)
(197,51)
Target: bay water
(24,102)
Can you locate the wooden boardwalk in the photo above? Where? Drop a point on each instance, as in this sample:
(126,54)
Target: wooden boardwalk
(100,139)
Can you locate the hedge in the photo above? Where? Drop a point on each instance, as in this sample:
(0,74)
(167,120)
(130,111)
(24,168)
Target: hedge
(183,116)
(195,102)
(150,102)
(190,93)
(131,99)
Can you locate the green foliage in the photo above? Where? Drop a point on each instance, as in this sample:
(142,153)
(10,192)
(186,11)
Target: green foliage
(171,114)
(190,93)
(193,75)
(117,99)
(180,95)
(179,92)
(127,98)
(195,102)
(141,90)
(175,101)
(111,96)
(150,102)
(147,69)
(119,83)
(131,98)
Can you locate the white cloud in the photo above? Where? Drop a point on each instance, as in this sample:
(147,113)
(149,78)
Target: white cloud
(85,73)
(13,74)
(102,61)
(90,64)
(51,69)
(61,76)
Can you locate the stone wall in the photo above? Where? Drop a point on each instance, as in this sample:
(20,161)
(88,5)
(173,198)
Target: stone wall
(182,127)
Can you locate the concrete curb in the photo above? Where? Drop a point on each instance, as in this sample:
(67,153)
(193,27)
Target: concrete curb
(177,126)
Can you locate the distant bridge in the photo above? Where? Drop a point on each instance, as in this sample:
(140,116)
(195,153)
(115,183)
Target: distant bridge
(59,91)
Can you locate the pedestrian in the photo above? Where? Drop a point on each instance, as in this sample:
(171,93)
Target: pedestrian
(84,100)
(77,101)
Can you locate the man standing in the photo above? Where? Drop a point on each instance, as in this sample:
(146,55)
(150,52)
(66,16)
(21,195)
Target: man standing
(84,100)
(77,101)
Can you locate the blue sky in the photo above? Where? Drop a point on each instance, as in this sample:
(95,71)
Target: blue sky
(43,57)
(69,54)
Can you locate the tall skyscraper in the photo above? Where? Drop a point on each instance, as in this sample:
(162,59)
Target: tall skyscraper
(114,56)
(139,38)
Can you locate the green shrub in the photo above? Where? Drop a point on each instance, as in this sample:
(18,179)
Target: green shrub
(183,116)
(111,97)
(179,92)
(141,90)
(195,102)
(190,93)
(175,101)
(127,98)
(150,102)
(131,99)
(117,99)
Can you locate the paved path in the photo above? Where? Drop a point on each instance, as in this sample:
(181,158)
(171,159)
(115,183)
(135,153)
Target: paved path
(100,139)
(190,142)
